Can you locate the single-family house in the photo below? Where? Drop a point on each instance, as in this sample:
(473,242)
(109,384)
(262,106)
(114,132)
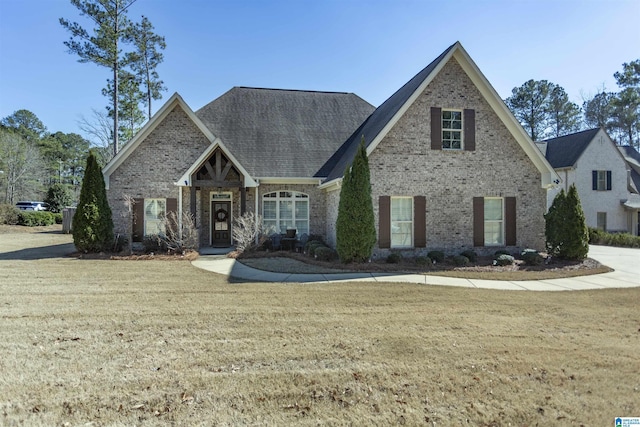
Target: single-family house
(632,157)
(591,160)
(451,168)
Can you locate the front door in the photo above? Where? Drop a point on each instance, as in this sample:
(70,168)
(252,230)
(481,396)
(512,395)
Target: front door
(220,224)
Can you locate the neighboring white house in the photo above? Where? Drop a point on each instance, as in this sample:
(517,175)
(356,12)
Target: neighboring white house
(592,161)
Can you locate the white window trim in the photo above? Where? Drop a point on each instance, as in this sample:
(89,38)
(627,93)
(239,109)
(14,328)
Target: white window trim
(501,221)
(391,222)
(294,199)
(144,210)
(602,173)
(461,130)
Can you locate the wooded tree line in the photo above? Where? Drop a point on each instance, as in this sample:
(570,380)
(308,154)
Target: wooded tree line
(544,110)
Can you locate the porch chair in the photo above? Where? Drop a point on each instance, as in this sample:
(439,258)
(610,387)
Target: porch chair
(300,244)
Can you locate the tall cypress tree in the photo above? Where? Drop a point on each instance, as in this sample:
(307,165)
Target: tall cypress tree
(565,227)
(92,224)
(553,224)
(355,227)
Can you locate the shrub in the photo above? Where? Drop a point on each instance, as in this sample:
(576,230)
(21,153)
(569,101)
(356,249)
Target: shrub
(565,227)
(35,218)
(437,256)
(625,240)
(503,260)
(92,224)
(501,252)
(9,214)
(423,260)
(460,260)
(394,258)
(57,217)
(532,257)
(245,232)
(120,243)
(355,226)
(323,253)
(312,246)
(154,244)
(471,255)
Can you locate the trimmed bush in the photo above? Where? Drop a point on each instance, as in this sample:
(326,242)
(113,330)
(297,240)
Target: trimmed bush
(460,260)
(323,253)
(501,252)
(154,244)
(58,217)
(311,247)
(532,257)
(437,256)
(394,258)
(471,255)
(565,227)
(423,260)
(355,226)
(622,240)
(92,224)
(504,260)
(35,218)
(9,214)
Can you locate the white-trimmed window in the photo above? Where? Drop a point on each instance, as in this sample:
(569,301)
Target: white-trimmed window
(401,222)
(493,221)
(452,129)
(282,210)
(154,212)
(601,218)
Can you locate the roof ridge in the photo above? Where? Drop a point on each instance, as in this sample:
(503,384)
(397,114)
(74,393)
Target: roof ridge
(295,90)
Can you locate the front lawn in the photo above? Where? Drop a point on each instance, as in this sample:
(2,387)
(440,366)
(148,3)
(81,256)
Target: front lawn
(114,342)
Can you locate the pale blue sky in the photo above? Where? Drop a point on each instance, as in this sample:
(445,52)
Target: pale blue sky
(369,47)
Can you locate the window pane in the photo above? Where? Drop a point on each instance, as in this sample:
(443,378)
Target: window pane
(492,209)
(302,209)
(286,209)
(269,209)
(302,227)
(401,234)
(493,233)
(270,226)
(401,209)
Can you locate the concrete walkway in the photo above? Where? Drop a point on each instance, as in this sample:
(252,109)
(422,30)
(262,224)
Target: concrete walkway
(624,261)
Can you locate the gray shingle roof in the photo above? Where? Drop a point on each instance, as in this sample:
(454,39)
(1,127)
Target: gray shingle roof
(283,133)
(336,165)
(564,151)
(632,157)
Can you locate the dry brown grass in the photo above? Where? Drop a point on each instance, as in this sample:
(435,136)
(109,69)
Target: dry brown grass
(161,343)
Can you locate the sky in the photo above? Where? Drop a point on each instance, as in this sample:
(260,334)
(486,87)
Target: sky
(368,47)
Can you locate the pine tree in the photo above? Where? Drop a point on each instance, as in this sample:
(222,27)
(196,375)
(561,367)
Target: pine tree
(92,224)
(553,223)
(355,227)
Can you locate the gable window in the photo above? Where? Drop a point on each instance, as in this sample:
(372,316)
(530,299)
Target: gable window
(282,210)
(493,222)
(401,222)
(451,129)
(154,212)
(601,180)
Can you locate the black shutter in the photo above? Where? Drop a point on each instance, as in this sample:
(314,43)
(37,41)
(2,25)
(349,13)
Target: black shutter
(469,120)
(594,180)
(436,128)
(608,180)
(384,222)
(137,228)
(510,221)
(478,221)
(419,221)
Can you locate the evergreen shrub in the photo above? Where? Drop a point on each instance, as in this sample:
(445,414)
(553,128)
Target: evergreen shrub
(437,256)
(504,259)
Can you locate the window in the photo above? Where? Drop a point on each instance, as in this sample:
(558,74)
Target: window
(285,209)
(401,222)
(601,180)
(602,221)
(154,212)
(451,129)
(493,222)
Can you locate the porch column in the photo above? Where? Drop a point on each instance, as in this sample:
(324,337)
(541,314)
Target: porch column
(243,200)
(193,205)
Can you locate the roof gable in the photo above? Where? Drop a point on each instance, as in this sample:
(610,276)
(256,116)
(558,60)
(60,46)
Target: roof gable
(386,116)
(173,102)
(564,151)
(281,133)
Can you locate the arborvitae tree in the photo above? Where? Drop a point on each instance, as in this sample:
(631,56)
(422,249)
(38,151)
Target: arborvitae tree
(554,223)
(576,241)
(355,227)
(92,223)
(565,227)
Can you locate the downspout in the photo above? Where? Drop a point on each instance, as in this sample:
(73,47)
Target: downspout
(179,213)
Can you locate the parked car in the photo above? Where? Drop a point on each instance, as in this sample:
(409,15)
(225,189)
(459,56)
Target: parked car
(32,206)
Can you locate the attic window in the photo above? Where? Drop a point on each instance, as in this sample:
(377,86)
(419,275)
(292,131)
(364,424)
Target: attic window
(452,129)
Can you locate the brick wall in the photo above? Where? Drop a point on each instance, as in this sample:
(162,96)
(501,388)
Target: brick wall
(403,164)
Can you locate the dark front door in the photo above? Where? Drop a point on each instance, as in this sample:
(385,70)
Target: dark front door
(221,224)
